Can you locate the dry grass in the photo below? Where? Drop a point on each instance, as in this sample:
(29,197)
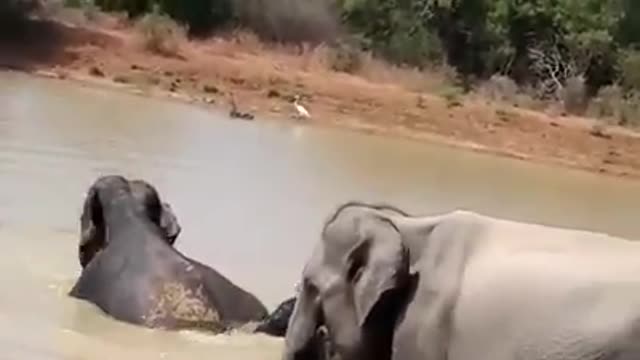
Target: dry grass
(499,88)
(574,96)
(323,58)
(615,106)
(429,80)
(161,35)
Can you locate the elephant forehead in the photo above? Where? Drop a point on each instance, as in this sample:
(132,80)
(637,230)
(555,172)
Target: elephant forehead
(326,280)
(111,181)
(320,275)
(326,255)
(339,240)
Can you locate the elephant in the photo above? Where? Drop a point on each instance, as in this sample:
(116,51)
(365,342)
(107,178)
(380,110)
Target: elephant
(462,285)
(276,324)
(132,272)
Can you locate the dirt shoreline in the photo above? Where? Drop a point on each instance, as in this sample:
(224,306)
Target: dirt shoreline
(263,81)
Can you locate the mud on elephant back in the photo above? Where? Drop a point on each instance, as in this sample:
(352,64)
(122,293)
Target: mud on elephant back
(132,272)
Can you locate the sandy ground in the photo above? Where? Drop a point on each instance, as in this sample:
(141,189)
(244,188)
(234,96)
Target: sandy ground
(263,80)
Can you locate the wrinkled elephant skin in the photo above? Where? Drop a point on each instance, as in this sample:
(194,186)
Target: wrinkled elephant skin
(461,285)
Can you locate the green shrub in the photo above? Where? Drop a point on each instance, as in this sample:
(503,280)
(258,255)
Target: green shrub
(418,48)
(630,70)
(198,16)
(133,8)
(452,95)
(16,9)
(13,14)
(345,58)
(74,3)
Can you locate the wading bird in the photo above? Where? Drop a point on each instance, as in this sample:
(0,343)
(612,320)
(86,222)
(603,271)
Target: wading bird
(302,112)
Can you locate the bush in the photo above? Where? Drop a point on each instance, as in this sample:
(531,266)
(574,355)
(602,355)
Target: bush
(417,49)
(133,8)
(345,58)
(289,21)
(500,88)
(616,105)
(199,16)
(13,16)
(452,95)
(161,34)
(607,103)
(89,8)
(630,70)
(574,95)
(16,10)
(630,110)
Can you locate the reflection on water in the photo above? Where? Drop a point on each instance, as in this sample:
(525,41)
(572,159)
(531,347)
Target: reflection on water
(250,197)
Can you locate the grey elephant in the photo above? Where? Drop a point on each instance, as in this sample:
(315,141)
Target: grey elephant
(462,285)
(132,271)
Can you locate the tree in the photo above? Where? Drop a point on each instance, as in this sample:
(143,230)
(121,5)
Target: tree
(12,16)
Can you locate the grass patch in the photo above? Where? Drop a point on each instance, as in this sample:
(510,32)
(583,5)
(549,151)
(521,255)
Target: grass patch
(161,34)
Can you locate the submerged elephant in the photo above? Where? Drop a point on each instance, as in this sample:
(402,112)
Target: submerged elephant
(462,285)
(276,324)
(132,272)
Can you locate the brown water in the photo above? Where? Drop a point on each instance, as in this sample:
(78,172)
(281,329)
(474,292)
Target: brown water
(251,198)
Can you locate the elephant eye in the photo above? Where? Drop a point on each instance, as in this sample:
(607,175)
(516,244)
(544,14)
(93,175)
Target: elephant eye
(309,287)
(357,275)
(355,269)
(357,261)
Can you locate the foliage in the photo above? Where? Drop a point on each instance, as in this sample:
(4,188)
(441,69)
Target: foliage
(478,37)
(288,20)
(13,14)
(630,70)
(574,96)
(345,58)
(16,9)
(566,50)
(199,16)
(133,8)
(161,34)
(499,88)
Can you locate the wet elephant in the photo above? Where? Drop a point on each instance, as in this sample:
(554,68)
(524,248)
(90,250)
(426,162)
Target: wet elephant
(462,285)
(133,273)
(276,323)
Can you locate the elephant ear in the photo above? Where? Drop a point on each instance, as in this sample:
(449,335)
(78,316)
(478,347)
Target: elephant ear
(376,264)
(160,213)
(92,231)
(169,223)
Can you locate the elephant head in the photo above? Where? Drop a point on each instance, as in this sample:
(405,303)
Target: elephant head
(145,199)
(351,286)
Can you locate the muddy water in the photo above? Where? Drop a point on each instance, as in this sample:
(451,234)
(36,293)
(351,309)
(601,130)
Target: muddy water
(250,197)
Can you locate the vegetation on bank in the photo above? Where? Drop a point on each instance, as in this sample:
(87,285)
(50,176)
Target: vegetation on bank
(12,13)
(580,54)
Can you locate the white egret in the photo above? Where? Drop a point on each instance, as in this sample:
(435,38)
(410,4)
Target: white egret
(302,112)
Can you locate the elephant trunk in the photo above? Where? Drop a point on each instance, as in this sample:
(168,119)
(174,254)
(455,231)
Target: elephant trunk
(301,331)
